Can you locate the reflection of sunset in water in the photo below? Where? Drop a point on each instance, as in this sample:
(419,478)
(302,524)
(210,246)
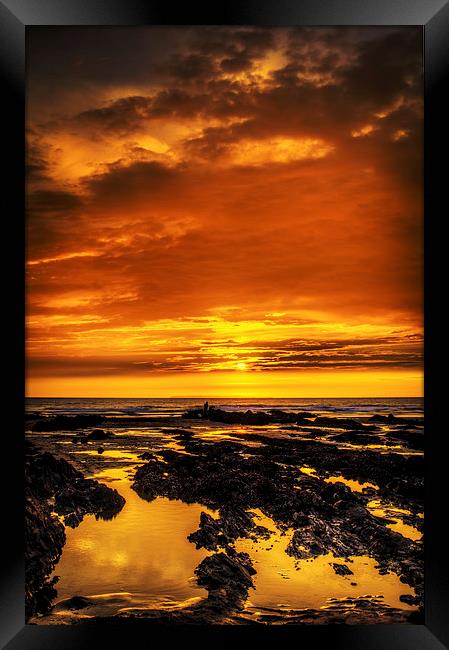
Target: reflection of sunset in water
(380,509)
(355,486)
(281,580)
(143,552)
(142,559)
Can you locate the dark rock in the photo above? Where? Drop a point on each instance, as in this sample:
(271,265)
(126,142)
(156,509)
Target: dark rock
(100,450)
(387,419)
(78,602)
(359,438)
(44,539)
(209,535)
(233,523)
(184,435)
(342,569)
(87,496)
(281,417)
(409,599)
(341,423)
(276,416)
(32,416)
(193,414)
(227,577)
(412,439)
(257,418)
(99,434)
(147,455)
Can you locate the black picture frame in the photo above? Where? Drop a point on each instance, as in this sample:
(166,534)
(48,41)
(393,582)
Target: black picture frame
(15,17)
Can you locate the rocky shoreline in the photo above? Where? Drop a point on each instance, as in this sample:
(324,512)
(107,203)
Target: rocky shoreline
(325,517)
(55,490)
(293,479)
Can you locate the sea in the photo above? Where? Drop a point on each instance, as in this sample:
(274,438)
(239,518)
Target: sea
(173,407)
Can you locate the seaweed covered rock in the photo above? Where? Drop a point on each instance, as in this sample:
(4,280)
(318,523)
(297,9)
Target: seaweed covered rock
(87,496)
(341,569)
(384,419)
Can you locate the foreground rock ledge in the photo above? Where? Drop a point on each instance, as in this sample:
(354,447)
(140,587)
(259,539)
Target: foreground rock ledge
(53,487)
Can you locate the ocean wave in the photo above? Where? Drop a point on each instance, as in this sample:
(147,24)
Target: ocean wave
(176,406)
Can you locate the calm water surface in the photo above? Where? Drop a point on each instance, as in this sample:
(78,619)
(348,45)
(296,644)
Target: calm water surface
(140,558)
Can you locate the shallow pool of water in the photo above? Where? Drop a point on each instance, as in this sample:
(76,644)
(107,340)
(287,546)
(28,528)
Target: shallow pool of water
(142,556)
(143,559)
(282,581)
(355,486)
(379,508)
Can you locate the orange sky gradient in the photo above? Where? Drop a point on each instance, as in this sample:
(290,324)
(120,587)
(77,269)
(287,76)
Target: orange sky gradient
(217,211)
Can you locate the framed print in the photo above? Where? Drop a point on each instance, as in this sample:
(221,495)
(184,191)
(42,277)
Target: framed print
(225,426)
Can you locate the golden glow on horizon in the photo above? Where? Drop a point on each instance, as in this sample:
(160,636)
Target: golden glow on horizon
(236,384)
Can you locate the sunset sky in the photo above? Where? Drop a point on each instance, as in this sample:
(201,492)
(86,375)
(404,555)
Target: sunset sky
(217,211)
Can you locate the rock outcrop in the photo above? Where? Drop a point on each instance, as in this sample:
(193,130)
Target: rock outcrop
(54,489)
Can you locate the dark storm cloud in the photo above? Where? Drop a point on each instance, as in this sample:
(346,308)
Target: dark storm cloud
(94,366)
(36,159)
(147,57)
(385,67)
(122,116)
(121,181)
(128,115)
(228,44)
(53,201)
(192,66)
(360,78)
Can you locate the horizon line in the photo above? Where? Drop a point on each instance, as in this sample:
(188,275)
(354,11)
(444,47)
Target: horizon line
(230,397)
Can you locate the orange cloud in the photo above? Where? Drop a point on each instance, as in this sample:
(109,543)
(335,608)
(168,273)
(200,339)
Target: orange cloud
(238,206)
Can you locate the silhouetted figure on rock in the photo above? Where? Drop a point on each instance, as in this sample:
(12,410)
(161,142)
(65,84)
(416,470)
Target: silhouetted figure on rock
(205,409)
